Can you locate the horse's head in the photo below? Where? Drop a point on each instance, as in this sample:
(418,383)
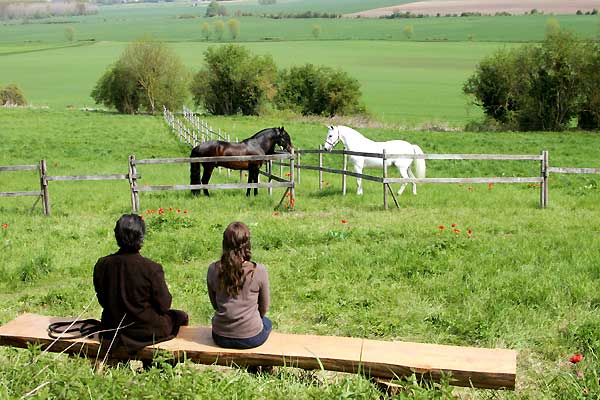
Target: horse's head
(333,137)
(282,138)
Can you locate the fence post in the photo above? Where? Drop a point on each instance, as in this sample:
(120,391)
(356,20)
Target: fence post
(292,189)
(544,174)
(320,167)
(385,198)
(270,171)
(298,165)
(44,187)
(344,180)
(135,199)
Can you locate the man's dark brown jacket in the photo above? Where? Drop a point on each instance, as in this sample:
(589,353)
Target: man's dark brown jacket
(133,293)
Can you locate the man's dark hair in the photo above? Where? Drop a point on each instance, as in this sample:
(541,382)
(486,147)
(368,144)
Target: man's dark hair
(129,232)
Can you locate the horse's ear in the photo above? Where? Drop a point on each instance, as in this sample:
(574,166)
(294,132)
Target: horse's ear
(330,127)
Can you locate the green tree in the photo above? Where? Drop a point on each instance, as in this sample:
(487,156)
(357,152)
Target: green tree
(234,28)
(537,87)
(205,28)
(316,31)
(219,28)
(234,81)
(70,33)
(552,26)
(215,9)
(589,113)
(318,90)
(408,31)
(148,75)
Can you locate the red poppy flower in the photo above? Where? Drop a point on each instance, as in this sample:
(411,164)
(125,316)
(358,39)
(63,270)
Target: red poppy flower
(178,210)
(185,211)
(4,226)
(470,232)
(170,208)
(442,227)
(276,214)
(344,221)
(454,225)
(292,202)
(490,185)
(288,174)
(457,231)
(576,358)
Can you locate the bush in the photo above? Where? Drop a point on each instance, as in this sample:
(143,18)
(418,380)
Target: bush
(533,87)
(318,90)
(12,95)
(589,112)
(234,81)
(148,76)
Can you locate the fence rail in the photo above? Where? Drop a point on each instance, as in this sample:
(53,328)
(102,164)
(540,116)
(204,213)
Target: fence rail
(569,170)
(279,182)
(386,181)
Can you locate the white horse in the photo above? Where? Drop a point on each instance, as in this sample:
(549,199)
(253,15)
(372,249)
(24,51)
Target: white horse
(354,141)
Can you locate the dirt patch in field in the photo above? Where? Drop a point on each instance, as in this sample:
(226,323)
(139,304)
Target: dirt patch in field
(516,7)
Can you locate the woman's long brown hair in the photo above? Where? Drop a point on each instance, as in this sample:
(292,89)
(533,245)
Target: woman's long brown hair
(236,250)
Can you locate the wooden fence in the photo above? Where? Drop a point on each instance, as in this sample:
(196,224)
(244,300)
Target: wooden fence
(40,194)
(289,160)
(385,180)
(279,182)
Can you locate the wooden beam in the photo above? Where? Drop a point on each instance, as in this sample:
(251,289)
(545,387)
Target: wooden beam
(468,366)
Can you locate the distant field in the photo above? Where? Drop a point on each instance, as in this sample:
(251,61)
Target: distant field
(515,7)
(402,82)
(182,24)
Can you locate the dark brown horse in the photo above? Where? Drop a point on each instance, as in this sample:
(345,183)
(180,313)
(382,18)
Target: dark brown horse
(261,143)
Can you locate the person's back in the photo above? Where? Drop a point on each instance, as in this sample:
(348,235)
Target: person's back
(239,293)
(133,293)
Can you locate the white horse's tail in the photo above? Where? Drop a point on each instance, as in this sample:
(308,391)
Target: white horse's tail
(419,163)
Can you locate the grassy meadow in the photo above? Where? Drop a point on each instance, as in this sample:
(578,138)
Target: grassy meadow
(525,279)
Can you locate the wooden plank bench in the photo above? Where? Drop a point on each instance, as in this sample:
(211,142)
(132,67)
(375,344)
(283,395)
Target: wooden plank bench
(468,366)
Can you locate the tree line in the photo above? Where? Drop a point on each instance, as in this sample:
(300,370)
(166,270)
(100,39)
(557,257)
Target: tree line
(149,75)
(20,10)
(542,87)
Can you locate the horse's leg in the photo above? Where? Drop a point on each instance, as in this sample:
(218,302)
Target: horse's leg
(195,176)
(208,169)
(358,167)
(252,178)
(412,176)
(404,175)
(256,180)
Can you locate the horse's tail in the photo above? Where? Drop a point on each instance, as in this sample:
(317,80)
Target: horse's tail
(195,171)
(419,163)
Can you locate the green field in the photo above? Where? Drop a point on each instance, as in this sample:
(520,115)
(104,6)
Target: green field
(526,279)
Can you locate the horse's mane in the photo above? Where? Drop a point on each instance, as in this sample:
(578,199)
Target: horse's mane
(259,133)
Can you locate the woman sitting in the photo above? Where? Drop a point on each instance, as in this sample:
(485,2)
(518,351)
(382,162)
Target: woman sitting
(133,293)
(239,292)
